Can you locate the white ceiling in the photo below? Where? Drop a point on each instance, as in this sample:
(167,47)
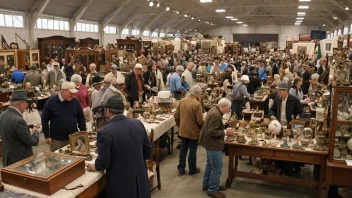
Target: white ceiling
(251,12)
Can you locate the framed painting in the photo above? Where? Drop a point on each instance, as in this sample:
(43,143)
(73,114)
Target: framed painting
(79,142)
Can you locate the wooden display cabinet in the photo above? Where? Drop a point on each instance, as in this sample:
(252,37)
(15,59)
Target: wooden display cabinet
(338,173)
(134,45)
(85,56)
(112,54)
(147,46)
(27,58)
(54,46)
(44,173)
(88,42)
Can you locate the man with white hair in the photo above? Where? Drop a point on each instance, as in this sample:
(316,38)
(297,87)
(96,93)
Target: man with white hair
(114,72)
(175,82)
(239,91)
(189,119)
(187,74)
(117,85)
(93,72)
(135,85)
(314,79)
(212,139)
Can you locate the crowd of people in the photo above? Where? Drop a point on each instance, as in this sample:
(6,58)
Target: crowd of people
(79,91)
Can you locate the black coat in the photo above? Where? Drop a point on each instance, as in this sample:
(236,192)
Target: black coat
(132,87)
(17,141)
(305,82)
(254,83)
(293,107)
(123,146)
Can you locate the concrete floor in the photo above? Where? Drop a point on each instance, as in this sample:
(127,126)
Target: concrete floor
(186,186)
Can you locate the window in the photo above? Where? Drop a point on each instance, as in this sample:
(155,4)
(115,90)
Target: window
(155,34)
(135,32)
(125,31)
(9,20)
(339,33)
(110,30)
(170,35)
(86,27)
(52,24)
(162,34)
(146,33)
(345,30)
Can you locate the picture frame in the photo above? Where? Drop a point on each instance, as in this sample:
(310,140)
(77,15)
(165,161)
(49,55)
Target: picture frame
(34,57)
(79,143)
(328,47)
(298,124)
(302,50)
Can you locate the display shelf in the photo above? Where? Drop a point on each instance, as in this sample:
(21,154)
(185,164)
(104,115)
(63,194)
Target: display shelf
(344,121)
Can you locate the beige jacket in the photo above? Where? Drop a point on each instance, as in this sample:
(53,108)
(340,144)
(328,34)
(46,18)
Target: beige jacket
(189,118)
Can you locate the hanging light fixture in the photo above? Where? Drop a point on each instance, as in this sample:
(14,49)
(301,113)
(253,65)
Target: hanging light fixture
(167,8)
(151,4)
(158,4)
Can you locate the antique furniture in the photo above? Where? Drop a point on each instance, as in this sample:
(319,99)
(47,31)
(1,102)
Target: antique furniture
(234,49)
(147,47)
(153,160)
(44,173)
(338,172)
(112,54)
(85,56)
(54,46)
(261,103)
(9,57)
(27,58)
(318,158)
(88,42)
(134,45)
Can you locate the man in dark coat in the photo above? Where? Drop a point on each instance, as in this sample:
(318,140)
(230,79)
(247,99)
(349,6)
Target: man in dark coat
(17,139)
(308,71)
(254,79)
(33,77)
(134,84)
(122,143)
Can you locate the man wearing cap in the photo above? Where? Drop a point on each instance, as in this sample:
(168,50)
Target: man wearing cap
(96,96)
(123,140)
(239,91)
(33,77)
(64,112)
(134,84)
(54,76)
(175,82)
(17,139)
(114,72)
(285,105)
(116,88)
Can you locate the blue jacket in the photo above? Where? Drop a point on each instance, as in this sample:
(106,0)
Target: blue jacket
(123,146)
(262,73)
(17,76)
(175,83)
(222,67)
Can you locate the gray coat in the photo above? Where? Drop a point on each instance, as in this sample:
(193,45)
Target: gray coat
(34,78)
(50,80)
(212,134)
(17,140)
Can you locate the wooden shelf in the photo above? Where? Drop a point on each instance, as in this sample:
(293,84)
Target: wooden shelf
(344,121)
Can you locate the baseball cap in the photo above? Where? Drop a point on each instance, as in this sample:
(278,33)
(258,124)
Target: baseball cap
(56,64)
(70,86)
(282,86)
(115,103)
(138,66)
(245,78)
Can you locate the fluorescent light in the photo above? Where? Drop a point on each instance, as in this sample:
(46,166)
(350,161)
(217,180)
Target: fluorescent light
(299,18)
(303,7)
(304,0)
(297,24)
(245,25)
(298,21)
(206,1)
(239,22)
(186,15)
(167,8)
(229,17)
(234,19)
(301,13)
(157,5)
(335,18)
(151,4)
(199,20)
(192,18)
(323,25)
(220,10)
(177,12)
(347,8)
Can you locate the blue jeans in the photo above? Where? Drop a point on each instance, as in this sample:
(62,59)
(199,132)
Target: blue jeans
(213,171)
(192,157)
(237,107)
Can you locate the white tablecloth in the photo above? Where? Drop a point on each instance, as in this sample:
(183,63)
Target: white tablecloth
(89,178)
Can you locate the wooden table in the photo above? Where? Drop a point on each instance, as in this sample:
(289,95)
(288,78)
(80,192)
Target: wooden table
(339,174)
(276,153)
(262,104)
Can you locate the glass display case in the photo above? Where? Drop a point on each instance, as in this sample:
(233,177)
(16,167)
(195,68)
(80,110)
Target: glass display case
(54,47)
(341,124)
(125,44)
(44,173)
(85,56)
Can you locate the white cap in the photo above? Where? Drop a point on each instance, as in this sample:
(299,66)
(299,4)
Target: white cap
(70,86)
(138,66)
(245,78)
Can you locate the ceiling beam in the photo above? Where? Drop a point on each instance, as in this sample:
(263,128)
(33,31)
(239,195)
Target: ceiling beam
(175,25)
(37,11)
(183,26)
(112,14)
(79,13)
(333,15)
(152,20)
(131,17)
(341,7)
(169,22)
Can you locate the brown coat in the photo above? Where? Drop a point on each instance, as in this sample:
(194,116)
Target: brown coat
(189,118)
(212,135)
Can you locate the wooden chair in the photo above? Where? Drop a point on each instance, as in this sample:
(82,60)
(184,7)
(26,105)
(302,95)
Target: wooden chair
(154,160)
